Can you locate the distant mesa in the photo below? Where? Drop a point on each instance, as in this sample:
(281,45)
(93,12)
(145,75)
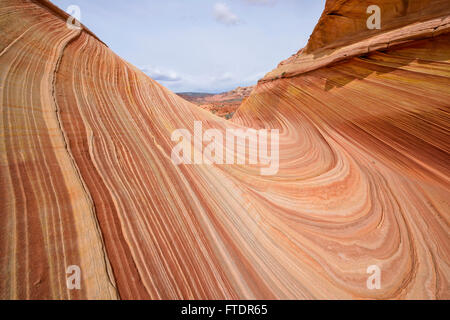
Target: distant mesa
(222,104)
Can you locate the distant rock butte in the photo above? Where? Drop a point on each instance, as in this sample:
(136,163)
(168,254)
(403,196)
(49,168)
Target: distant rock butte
(223,104)
(86,176)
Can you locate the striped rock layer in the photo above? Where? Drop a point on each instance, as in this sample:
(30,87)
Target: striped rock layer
(86,176)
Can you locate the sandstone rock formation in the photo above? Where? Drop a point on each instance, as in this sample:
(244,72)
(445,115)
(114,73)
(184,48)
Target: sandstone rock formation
(223,104)
(342,31)
(86,176)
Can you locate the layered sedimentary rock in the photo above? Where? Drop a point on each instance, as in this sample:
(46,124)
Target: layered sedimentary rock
(87,177)
(223,104)
(342,31)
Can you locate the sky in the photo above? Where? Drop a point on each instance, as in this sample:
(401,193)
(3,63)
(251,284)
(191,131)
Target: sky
(201,45)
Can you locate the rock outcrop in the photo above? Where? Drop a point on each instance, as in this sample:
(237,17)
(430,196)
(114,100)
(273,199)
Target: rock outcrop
(87,177)
(223,104)
(342,32)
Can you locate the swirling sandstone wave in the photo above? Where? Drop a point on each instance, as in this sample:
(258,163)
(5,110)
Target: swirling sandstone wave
(87,178)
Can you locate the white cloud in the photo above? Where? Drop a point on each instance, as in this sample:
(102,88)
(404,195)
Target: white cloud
(227,76)
(161,75)
(261,2)
(224,15)
(205,82)
(216,83)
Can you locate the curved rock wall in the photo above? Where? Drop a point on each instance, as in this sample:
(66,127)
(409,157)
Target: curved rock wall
(87,178)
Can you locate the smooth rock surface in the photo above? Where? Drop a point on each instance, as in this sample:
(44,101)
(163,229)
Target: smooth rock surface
(87,178)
